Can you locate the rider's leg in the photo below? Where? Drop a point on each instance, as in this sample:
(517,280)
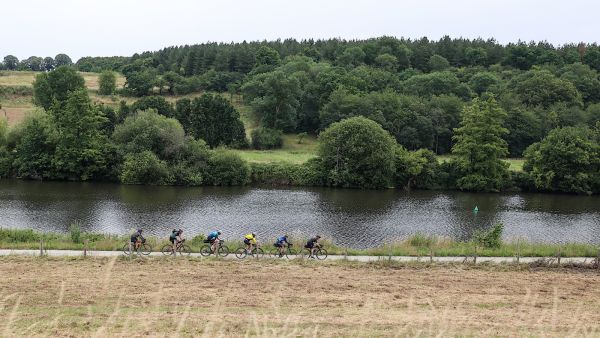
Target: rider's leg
(174,248)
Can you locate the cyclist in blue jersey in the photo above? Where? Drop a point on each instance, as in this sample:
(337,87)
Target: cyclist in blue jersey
(214,238)
(281,243)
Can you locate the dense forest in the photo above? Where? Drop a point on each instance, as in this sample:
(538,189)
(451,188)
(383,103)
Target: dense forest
(476,99)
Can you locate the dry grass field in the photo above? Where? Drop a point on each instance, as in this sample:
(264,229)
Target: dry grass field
(23,78)
(186,297)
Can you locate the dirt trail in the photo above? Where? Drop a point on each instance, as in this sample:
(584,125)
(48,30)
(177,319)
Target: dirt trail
(163,297)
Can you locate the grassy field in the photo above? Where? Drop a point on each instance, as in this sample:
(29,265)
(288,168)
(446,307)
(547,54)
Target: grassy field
(16,107)
(214,298)
(292,151)
(19,78)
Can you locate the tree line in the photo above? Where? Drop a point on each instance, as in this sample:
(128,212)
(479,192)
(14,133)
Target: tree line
(475,99)
(155,142)
(35,63)
(414,88)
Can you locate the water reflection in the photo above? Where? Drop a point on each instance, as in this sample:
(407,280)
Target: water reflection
(355,218)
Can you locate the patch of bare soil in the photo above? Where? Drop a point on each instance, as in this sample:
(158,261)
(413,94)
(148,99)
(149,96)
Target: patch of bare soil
(187,297)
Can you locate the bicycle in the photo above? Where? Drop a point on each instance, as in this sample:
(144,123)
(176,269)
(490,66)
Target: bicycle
(182,249)
(257,252)
(288,252)
(140,247)
(222,250)
(319,254)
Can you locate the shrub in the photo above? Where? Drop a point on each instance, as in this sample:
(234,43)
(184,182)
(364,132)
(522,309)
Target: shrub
(491,238)
(420,240)
(16,91)
(227,168)
(18,235)
(265,138)
(307,174)
(357,152)
(147,130)
(184,175)
(145,168)
(567,160)
(158,103)
(75,232)
(107,83)
(197,240)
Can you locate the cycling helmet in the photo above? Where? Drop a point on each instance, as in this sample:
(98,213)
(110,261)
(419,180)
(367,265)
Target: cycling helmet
(253,235)
(317,236)
(219,232)
(139,230)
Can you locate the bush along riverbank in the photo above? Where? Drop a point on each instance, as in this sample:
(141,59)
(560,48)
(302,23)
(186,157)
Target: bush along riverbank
(484,244)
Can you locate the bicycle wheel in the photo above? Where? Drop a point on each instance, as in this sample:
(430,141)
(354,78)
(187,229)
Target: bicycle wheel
(291,253)
(258,252)
(167,249)
(205,251)
(274,253)
(184,250)
(241,253)
(126,249)
(145,249)
(223,251)
(321,254)
(304,253)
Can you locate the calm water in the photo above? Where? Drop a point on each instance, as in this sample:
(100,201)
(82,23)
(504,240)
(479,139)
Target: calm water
(355,218)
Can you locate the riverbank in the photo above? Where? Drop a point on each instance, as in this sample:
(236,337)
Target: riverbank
(414,246)
(230,298)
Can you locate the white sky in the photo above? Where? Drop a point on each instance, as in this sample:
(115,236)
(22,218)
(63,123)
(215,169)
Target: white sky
(123,27)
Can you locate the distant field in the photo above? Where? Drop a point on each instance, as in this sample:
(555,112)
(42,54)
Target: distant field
(14,78)
(291,152)
(16,107)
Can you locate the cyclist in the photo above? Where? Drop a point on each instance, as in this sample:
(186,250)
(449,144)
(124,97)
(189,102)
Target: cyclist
(136,240)
(281,243)
(213,238)
(250,241)
(176,238)
(313,245)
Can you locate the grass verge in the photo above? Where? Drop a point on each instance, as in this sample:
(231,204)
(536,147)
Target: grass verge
(416,245)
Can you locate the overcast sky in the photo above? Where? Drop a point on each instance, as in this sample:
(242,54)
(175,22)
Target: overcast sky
(123,27)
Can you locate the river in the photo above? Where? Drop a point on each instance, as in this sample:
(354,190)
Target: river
(354,218)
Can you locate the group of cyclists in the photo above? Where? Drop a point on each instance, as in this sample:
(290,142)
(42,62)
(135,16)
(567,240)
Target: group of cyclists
(214,239)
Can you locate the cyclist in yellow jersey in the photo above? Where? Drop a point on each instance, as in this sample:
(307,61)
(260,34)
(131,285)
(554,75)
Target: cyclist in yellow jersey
(250,241)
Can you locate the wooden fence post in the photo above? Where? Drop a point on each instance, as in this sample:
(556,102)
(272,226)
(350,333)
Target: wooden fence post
(475,256)
(41,247)
(431,255)
(598,260)
(345,253)
(85,247)
(518,250)
(558,256)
